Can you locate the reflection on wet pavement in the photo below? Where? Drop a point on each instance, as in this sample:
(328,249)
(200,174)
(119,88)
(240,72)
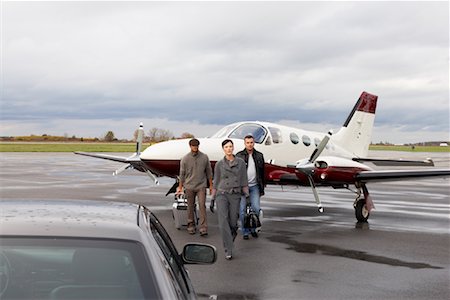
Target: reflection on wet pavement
(346,253)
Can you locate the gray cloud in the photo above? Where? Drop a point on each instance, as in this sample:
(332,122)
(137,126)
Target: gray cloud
(214,63)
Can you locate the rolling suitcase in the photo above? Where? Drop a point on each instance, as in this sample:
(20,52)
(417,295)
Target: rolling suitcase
(180,211)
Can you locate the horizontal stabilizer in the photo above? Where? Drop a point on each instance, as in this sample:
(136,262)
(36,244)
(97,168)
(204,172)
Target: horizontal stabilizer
(397,162)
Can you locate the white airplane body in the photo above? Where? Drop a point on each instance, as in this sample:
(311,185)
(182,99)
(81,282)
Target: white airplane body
(293,156)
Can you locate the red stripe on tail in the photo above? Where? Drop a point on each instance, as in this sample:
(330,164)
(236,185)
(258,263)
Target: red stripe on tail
(367,103)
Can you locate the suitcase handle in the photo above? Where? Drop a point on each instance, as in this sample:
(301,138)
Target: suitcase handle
(180,196)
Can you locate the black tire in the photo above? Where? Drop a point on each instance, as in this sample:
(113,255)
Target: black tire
(361,212)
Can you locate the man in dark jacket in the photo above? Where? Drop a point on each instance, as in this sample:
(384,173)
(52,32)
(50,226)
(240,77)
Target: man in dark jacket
(254,161)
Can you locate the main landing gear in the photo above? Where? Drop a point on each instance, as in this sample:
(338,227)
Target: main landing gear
(361,212)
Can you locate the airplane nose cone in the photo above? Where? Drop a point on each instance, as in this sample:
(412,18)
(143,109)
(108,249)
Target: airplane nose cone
(164,158)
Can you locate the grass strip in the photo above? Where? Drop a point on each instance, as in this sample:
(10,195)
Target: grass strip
(68,147)
(131,147)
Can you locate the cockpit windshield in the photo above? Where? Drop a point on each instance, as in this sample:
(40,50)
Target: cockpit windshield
(257,131)
(223,132)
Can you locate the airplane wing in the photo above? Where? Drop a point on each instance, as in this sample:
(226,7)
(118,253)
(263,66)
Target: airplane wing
(132,162)
(105,156)
(396,162)
(373,176)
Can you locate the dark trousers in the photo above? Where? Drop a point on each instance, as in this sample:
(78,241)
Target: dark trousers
(228,213)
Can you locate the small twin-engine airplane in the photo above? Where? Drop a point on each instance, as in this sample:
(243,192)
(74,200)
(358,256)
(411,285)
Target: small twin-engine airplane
(293,156)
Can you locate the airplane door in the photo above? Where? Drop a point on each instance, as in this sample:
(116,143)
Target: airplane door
(273,148)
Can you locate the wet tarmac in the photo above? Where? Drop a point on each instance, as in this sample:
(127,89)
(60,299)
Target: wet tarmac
(403,252)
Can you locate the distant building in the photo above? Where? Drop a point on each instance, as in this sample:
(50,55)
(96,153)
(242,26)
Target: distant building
(443,144)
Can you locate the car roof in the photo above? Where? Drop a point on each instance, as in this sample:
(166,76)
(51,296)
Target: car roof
(69,218)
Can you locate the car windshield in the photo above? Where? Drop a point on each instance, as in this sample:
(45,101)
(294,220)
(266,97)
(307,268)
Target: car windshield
(62,268)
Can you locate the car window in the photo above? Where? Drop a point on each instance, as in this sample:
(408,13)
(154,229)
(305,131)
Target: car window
(257,131)
(171,254)
(65,268)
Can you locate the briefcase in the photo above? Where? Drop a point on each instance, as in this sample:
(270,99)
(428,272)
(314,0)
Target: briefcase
(251,219)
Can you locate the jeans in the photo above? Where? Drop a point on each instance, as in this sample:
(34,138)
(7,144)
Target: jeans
(255,204)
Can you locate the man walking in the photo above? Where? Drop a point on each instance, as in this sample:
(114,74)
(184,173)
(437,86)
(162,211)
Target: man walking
(195,173)
(254,161)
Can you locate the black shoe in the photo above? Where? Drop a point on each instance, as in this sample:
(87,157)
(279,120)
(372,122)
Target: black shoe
(254,234)
(245,237)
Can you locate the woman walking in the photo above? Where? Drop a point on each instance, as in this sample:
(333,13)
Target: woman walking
(229,183)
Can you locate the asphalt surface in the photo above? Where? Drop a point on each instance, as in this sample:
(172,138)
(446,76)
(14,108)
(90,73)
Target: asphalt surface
(401,253)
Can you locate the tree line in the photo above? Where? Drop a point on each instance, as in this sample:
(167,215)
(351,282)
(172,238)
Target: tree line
(154,135)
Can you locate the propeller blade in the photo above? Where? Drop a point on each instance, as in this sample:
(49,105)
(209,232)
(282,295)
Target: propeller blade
(152,176)
(121,169)
(316,195)
(320,147)
(307,167)
(173,189)
(140,137)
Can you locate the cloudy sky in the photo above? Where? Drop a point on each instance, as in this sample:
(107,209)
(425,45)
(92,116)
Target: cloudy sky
(83,68)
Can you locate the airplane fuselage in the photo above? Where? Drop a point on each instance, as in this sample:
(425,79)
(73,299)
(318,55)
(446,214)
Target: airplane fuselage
(292,156)
(282,146)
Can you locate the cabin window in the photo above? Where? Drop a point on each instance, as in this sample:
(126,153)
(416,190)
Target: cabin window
(316,141)
(257,131)
(294,138)
(276,135)
(306,140)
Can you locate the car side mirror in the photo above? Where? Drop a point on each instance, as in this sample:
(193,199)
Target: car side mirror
(195,253)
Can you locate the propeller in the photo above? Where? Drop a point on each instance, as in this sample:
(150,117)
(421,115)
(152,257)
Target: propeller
(140,137)
(307,167)
(121,169)
(135,159)
(152,176)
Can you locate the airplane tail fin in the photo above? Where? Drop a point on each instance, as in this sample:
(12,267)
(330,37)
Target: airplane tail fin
(356,133)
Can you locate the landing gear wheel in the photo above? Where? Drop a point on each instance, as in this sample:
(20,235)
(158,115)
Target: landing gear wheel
(361,211)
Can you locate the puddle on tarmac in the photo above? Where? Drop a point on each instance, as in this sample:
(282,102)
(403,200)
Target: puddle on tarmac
(346,253)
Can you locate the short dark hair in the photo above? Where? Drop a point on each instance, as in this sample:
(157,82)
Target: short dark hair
(226,142)
(249,136)
(194,142)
